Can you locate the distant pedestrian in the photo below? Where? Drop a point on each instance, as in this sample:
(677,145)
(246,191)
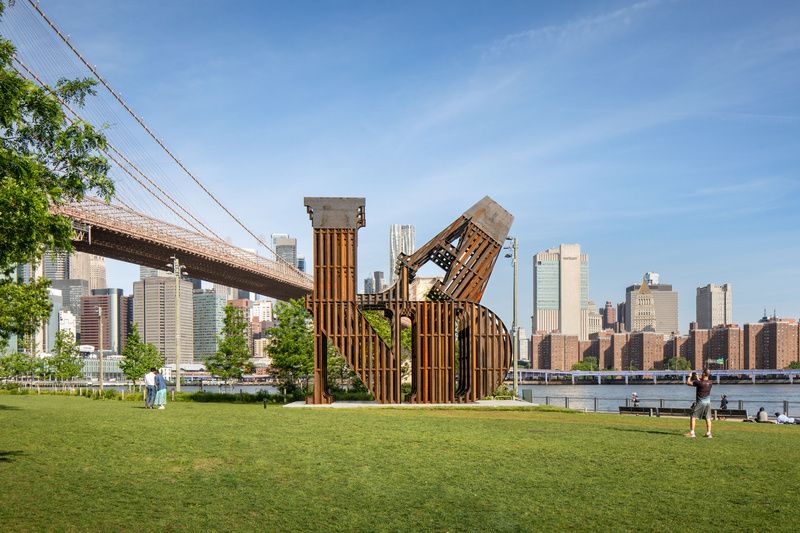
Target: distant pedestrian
(781,418)
(150,381)
(635,399)
(723,403)
(762,416)
(161,391)
(702,408)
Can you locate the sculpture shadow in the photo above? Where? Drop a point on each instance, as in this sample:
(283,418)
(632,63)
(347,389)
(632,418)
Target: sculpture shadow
(8,407)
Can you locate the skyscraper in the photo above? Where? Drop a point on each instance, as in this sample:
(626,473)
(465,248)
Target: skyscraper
(369,285)
(72,290)
(209,313)
(401,240)
(643,308)
(115,308)
(154,311)
(285,247)
(561,291)
(379,284)
(89,267)
(665,302)
(714,305)
(56,265)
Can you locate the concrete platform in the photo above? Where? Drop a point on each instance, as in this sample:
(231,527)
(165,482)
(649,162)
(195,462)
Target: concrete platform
(480,404)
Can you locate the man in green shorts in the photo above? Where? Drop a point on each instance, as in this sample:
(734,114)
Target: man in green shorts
(702,405)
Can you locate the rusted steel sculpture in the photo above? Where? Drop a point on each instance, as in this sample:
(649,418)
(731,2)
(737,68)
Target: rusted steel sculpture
(461,351)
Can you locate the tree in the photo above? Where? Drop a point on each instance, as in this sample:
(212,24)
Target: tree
(588,364)
(45,161)
(794,365)
(233,352)
(66,363)
(17,364)
(292,347)
(677,363)
(139,357)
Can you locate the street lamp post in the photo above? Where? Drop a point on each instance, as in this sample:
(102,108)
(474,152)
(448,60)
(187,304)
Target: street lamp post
(177,271)
(514,255)
(100,351)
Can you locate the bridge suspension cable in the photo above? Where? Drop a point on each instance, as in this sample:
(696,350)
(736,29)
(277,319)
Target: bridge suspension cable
(119,154)
(149,132)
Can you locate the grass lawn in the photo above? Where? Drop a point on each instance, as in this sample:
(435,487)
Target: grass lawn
(79,464)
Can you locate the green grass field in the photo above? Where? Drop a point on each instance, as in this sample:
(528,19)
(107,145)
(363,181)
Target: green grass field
(75,464)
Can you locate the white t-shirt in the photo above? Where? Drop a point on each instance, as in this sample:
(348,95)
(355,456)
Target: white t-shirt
(783,419)
(150,379)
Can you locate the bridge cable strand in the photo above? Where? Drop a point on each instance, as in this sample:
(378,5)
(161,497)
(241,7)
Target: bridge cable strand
(149,131)
(119,164)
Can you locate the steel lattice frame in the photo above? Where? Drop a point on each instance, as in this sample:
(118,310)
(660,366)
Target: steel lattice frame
(461,351)
(121,233)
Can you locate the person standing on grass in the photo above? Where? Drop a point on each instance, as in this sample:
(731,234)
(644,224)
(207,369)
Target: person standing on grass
(161,391)
(150,381)
(702,408)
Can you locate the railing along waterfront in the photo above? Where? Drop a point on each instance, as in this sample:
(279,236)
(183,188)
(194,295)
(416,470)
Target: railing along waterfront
(612,405)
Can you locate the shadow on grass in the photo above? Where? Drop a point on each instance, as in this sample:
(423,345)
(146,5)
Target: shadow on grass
(8,407)
(7,457)
(654,431)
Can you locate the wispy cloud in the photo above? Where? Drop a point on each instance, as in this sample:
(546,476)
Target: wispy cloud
(573,30)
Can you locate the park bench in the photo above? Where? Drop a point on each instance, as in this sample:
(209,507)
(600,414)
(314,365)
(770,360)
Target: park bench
(630,410)
(674,411)
(728,413)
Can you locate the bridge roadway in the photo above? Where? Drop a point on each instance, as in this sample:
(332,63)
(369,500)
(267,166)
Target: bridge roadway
(114,231)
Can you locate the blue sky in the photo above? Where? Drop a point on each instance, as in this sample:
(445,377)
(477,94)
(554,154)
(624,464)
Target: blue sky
(660,135)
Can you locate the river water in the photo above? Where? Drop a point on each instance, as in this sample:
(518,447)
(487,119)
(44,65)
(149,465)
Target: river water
(610,397)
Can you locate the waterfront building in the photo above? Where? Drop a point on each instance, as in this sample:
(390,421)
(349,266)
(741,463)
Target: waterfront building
(662,317)
(419,288)
(116,319)
(773,344)
(301,263)
(401,241)
(208,316)
(561,291)
(714,305)
(154,311)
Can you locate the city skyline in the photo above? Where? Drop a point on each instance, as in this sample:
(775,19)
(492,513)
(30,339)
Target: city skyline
(654,153)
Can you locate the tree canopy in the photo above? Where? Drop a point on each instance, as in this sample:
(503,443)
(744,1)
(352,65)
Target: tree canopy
(587,364)
(677,363)
(292,347)
(139,357)
(46,160)
(233,351)
(66,362)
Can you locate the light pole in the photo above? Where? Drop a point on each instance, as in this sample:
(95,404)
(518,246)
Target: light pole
(100,332)
(177,271)
(514,255)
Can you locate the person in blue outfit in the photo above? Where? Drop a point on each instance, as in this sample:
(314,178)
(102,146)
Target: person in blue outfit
(161,391)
